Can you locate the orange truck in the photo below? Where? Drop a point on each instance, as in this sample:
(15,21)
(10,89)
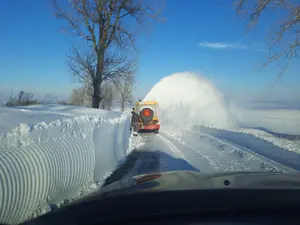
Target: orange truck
(148,112)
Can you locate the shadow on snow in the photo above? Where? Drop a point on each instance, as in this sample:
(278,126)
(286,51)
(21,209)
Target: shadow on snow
(143,161)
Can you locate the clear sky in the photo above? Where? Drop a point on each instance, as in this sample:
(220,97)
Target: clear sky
(206,37)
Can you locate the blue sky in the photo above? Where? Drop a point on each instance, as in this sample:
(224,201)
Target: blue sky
(206,37)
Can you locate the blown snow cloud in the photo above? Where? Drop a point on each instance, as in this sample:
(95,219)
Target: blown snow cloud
(221,45)
(189,99)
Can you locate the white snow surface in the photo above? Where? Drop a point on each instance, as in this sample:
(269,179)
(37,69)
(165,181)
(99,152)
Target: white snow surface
(285,121)
(188,99)
(53,154)
(12,117)
(261,122)
(290,145)
(210,154)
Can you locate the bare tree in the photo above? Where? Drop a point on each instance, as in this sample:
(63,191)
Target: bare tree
(82,64)
(106,25)
(289,27)
(107,96)
(115,67)
(49,99)
(124,87)
(77,97)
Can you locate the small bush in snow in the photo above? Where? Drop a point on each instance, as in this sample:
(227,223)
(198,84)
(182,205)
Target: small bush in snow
(62,102)
(23,99)
(49,99)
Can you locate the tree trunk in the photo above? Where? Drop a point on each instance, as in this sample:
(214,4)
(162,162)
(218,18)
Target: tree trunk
(122,105)
(96,94)
(97,83)
(96,101)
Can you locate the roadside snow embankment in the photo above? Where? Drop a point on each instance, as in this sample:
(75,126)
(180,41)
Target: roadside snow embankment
(186,99)
(46,164)
(275,125)
(286,121)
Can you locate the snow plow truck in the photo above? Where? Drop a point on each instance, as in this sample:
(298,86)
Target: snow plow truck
(148,113)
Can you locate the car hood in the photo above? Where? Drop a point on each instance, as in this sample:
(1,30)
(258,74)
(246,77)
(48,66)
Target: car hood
(191,180)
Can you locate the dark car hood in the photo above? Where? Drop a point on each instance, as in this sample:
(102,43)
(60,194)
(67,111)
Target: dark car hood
(190,180)
(180,188)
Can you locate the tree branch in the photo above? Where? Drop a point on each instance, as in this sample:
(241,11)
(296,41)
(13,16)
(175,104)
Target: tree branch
(287,29)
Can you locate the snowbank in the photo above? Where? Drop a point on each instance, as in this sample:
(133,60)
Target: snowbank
(276,125)
(49,163)
(292,143)
(185,99)
(12,117)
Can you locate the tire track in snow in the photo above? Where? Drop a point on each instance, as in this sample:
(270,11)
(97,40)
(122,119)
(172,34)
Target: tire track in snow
(172,147)
(262,158)
(205,160)
(243,152)
(225,156)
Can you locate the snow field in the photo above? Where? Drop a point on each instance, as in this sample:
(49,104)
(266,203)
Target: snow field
(286,121)
(48,163)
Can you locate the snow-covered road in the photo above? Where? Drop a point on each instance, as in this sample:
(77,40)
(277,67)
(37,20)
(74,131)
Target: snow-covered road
(211,154)
(163,152)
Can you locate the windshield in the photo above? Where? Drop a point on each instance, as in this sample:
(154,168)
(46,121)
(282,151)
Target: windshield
(212,93)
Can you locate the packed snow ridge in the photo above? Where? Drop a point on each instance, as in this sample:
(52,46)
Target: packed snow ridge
(44,164)
(187,99)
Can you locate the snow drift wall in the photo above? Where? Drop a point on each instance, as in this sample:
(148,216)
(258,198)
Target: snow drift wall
(45,164)
(111,144)
(187,99)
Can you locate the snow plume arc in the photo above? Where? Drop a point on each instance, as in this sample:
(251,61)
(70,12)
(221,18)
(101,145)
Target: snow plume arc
(187,99)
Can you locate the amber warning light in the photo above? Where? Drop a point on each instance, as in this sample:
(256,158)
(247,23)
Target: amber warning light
(146,112)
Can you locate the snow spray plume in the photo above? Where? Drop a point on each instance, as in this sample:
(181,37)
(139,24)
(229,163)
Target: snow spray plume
(186,99)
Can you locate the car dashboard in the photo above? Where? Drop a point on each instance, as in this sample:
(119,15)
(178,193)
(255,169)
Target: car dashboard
(194,207)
